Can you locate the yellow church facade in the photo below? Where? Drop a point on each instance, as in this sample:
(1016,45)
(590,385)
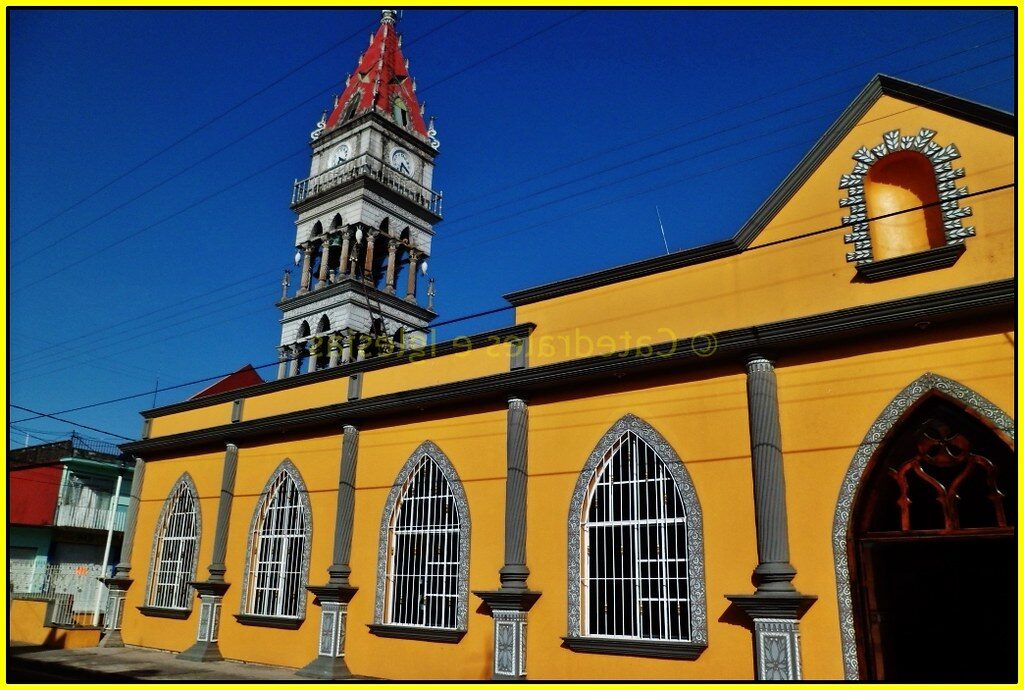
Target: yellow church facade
(730,462)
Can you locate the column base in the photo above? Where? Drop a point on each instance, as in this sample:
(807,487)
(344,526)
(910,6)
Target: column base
(330,661)
(776,619)
(202,651)
(118,587)
(211,594)
(509,608)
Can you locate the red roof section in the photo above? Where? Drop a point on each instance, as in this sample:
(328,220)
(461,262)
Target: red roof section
(246,376)
(380,79)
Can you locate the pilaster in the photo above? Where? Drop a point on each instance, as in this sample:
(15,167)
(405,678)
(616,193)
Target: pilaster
(776,607)
(211,591)
(510,603)
(119,584)
(333,598)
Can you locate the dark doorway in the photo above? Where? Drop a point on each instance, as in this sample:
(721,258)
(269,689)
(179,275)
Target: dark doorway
(934,553)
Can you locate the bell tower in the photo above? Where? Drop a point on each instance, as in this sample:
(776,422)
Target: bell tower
(365,217)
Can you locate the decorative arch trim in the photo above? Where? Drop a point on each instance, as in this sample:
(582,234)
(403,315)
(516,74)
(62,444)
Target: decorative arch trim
(897,410)
(186,481)
(397,489)
(288,468)
(941,158)
(694,522)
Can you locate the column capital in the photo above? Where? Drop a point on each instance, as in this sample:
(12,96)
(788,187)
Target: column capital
(517,402)
(757,361)
(349,429)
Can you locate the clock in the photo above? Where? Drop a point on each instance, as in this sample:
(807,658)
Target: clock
(401,161)
(339,155)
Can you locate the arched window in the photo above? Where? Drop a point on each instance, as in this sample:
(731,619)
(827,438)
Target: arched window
(279,542)
(635,549)
(424,549)
(175,549)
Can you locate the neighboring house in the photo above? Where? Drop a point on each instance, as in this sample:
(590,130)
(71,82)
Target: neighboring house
(65,501)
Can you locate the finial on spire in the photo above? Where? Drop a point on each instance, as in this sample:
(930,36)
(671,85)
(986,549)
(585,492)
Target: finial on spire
(387,16)
(432,135)
(315,134)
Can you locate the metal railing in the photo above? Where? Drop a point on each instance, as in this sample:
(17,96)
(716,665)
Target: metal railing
(371,167)
(89,518)
(73,589)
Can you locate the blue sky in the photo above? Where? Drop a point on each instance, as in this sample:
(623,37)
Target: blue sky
(561,131)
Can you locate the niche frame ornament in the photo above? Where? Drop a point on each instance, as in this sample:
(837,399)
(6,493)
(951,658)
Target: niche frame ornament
(949,195)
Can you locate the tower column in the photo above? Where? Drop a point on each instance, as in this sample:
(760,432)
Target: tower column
(344,260)
(335,349)
(119,584)
(282,361)
(211,591)
(510,603)
(776,607)
(333,597)
(410,286)
(307,254)
(392,258)
(293,365)
(325,250)
(371,240)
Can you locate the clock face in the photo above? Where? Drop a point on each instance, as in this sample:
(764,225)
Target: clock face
(401,161)
(339,155)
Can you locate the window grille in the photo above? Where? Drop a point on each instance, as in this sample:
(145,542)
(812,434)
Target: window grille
(278,545)
(423,552)
(635,581)
(174,563)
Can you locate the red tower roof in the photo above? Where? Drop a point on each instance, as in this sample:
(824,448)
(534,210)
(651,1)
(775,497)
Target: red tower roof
(381,82)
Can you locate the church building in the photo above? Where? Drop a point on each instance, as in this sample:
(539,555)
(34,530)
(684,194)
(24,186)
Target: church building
(788,454)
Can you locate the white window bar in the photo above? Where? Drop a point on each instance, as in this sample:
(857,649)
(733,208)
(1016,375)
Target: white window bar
(175,564)
(634,569)
(276,573)
(423,552)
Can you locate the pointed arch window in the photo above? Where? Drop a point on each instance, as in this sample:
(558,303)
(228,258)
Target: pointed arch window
(280,537)
(636,573)
(423,559)
(175,549)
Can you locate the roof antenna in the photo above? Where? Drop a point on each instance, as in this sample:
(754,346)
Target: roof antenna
(662,226)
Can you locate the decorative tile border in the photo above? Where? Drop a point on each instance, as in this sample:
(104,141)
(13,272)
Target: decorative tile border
(289,468)
(890,417)
(428,448)
(190,486)
(694,522)
(945,177)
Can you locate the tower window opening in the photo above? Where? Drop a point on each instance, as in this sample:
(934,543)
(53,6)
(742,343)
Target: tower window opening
(400,112)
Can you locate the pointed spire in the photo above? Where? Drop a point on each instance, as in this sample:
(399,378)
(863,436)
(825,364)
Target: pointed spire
(382,82)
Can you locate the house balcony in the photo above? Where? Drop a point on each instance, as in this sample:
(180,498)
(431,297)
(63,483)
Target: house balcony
(89,518)
(373,168)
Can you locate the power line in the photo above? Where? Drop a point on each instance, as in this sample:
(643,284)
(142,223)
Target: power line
(237,140)
(193,132)
(725,111)
(67,421)
(466,317)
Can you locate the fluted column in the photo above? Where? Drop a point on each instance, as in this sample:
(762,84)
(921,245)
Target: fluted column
(510,603)
(120,582)
(307,256)
(325,250)
(211,591)
(334,597)
(410,286)
(344,260)
(389,286)
(776,607)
